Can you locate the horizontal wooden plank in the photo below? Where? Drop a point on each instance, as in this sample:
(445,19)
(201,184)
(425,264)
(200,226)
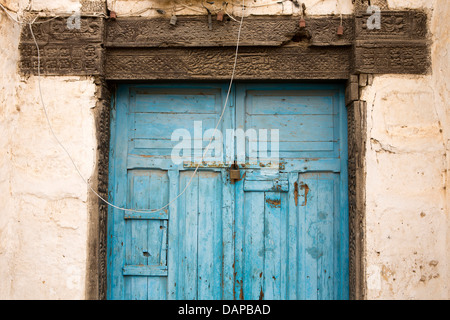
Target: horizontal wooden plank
(268,185)
(311,165)
(161,215)
(176,101)
(148,271)
(150,48)
(193,31)
(288,102)
(287,62)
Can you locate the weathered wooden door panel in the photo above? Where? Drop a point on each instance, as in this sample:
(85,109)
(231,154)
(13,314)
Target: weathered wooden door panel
(289,244)
(318,251)
(275,234)
(145,268)
(198,238)
(178,252)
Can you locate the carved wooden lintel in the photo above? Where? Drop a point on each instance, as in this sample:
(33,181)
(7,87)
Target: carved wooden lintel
(272,47)
(64,49)
(217,63)
(193,31)
(400,45)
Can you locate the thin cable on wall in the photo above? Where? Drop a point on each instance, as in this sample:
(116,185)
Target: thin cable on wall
(30,25)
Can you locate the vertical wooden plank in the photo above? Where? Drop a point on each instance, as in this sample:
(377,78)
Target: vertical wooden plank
(173,241)
(293,236)
(128,281)
(118,192)
(182,263)
(338,242)
(272,244)
(254,246)
(130,252)
(111,272)
(239,242)
(284,246)
(206,234)
(301,240)
(343,253)
(228,236)
(190,237)
(163,199)
(325,230)
(308,251)
(127,241)
(228,200)
(217,271)
(229,121)
(157,234)
(139,194)
(241,93)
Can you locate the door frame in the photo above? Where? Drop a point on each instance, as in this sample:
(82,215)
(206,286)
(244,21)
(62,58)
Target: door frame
(97,264)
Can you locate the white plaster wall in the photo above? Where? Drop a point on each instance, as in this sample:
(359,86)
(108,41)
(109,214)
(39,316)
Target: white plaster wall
(8,77)
(255,7)
(50,199)
(408,153)
(43,216)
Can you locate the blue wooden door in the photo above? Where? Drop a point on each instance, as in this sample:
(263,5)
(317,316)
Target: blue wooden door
(291,226)
(278,233)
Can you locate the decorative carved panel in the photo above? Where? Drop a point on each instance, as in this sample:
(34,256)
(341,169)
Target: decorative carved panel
(299,62)
(193,31)
(392,57)
(64,50)
(272,47)
(395,25)
(399,46)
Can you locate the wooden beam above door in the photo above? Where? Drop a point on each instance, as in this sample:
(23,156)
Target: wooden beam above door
(272,47)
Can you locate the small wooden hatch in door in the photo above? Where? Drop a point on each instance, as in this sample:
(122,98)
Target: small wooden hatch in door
(278,232)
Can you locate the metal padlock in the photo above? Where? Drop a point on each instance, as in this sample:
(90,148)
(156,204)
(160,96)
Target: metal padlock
(173,20)
(235,173)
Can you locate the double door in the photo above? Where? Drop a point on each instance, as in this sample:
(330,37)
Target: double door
(279,231)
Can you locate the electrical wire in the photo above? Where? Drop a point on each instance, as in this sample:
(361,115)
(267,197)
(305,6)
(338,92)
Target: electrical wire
(9,14)
(203,156)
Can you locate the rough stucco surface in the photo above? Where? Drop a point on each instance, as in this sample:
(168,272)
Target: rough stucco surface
(43,217)
(8,61)
(407,161)
(136,7)
(44,212)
